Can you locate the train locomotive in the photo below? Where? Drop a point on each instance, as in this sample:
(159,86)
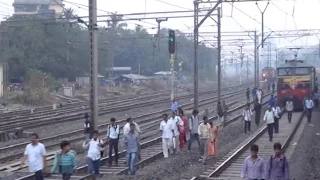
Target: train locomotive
(295,79)
(268,74)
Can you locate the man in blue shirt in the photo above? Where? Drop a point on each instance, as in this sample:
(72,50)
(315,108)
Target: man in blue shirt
(174,106)
(272,101)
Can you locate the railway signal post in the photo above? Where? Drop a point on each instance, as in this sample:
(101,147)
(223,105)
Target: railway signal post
(172,46)
(93,30)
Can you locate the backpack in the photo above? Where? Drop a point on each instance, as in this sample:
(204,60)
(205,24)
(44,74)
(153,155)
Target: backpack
(109,126)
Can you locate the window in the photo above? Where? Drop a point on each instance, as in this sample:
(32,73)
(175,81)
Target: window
(302,71)
(284,71)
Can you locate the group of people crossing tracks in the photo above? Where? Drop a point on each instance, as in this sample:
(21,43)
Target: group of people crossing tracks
(184,131)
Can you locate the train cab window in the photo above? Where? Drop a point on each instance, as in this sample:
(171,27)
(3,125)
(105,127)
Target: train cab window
(302,71)
(284,72)
(283,86)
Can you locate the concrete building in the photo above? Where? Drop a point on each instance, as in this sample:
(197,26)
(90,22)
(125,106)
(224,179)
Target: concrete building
(41,8)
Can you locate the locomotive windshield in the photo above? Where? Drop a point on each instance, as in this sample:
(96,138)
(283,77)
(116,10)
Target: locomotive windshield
(302,71)
(284,72)
(293,71)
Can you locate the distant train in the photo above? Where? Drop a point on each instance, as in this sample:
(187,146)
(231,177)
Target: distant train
(295,79)
(268,74)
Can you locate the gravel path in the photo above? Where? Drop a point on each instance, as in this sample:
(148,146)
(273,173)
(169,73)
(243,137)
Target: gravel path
(305,161)
(185,164)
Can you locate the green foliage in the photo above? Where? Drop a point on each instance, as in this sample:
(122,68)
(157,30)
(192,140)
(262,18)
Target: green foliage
(43,45)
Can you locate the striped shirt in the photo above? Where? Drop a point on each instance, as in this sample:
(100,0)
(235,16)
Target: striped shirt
(64,163)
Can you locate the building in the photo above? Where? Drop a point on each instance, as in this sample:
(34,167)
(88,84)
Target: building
(42,8)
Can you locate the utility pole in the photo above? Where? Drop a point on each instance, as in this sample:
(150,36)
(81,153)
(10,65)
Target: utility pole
(241,61)
(247,68)
(262,21)
(159,20)
(255,59)
(195,43)
(258,62)
(219,52)
(93,29)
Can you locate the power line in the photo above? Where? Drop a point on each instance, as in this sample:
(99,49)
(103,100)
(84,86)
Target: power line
(173,5)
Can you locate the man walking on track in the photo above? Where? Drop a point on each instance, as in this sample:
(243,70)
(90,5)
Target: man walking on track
(221,113)
(87,127)
(35,152)
(204,134)
(277,115)
(193,129)
(277,167)
(174,106)
(253,165)
(248,95)
(309,106)
(167,135)
(289,109)
(131,141)
(257,110)
(269,117)
(247,113)
(176,123)
(113,139)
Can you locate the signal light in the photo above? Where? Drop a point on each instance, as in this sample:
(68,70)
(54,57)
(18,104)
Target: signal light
(172,42)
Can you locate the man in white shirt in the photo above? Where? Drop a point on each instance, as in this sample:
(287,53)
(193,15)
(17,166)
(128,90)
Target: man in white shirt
(35,152)
(113,135)
(167,134)
(289,109)
(126,127)
(259,96)
(247,113)
(277,115)
(269,117)
(94,146)
(308,107)
(176,122)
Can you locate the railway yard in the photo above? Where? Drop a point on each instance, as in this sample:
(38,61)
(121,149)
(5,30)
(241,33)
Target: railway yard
(67,123)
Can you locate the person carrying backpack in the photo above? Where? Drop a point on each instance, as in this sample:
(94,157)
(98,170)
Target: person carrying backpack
(277,167)
(113,140)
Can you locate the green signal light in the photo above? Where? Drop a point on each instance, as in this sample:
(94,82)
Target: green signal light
(171,39)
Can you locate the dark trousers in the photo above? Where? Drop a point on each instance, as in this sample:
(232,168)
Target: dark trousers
(270,131)
(257,117)
(247,126)
(289,116)
(309,114)
(113,143)
(66,176)
(276,125)
(38,175)
(193,137)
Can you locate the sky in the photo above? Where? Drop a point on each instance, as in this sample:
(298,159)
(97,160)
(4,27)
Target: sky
(240,16)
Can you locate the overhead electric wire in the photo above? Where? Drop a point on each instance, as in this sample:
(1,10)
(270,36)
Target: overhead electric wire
(173,5)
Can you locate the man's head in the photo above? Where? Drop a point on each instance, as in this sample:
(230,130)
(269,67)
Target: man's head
(95,134)
(165,117)
(65,146)
(86,116)
(269,108)
(181,113)
(129,120)
(271,95)
(132,127)
(173,100)
(173,114)
(254,150)
(277,147)
(195,112)
(34,138)
(113,120)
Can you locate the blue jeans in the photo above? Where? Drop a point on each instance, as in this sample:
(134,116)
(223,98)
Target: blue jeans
(193,137)
(131,159)
(93,166)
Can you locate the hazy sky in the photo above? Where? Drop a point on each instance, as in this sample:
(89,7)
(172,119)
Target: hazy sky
(280,15)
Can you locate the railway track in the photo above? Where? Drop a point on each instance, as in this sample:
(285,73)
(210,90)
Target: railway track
(71,114)
(229,167)
(76,136)
(151,150)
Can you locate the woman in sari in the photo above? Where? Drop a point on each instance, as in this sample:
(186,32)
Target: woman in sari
(213,140)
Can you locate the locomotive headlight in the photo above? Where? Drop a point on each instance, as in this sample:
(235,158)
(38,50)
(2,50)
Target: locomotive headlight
(263,75)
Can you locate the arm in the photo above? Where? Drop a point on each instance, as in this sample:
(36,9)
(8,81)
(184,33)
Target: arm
(286,170)
(125,141)
(180,122)
(268,170)
(190,124)
(244,169)
(85,145)
(262,170)
(54,164)
(265,116)
(137,127)
(251,112)
(43,153)
(74,161)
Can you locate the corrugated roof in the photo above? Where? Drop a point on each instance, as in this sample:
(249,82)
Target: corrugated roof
(37,2)
(135,76)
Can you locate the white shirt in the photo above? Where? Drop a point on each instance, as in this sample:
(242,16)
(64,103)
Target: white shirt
(126,128)
(94,149)
(166,128)
(259,93)
(175,122)
(113,132)
(276,111)
(247,114)
(309,104)
(289,106)
(35,156)
(269,117)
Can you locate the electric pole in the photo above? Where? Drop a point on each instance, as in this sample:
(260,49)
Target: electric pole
(247,68)
(172,46)
(255,59)
(159,20)
(93,29)
(241,61)
(195,43)
(262,21)
(219,52)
